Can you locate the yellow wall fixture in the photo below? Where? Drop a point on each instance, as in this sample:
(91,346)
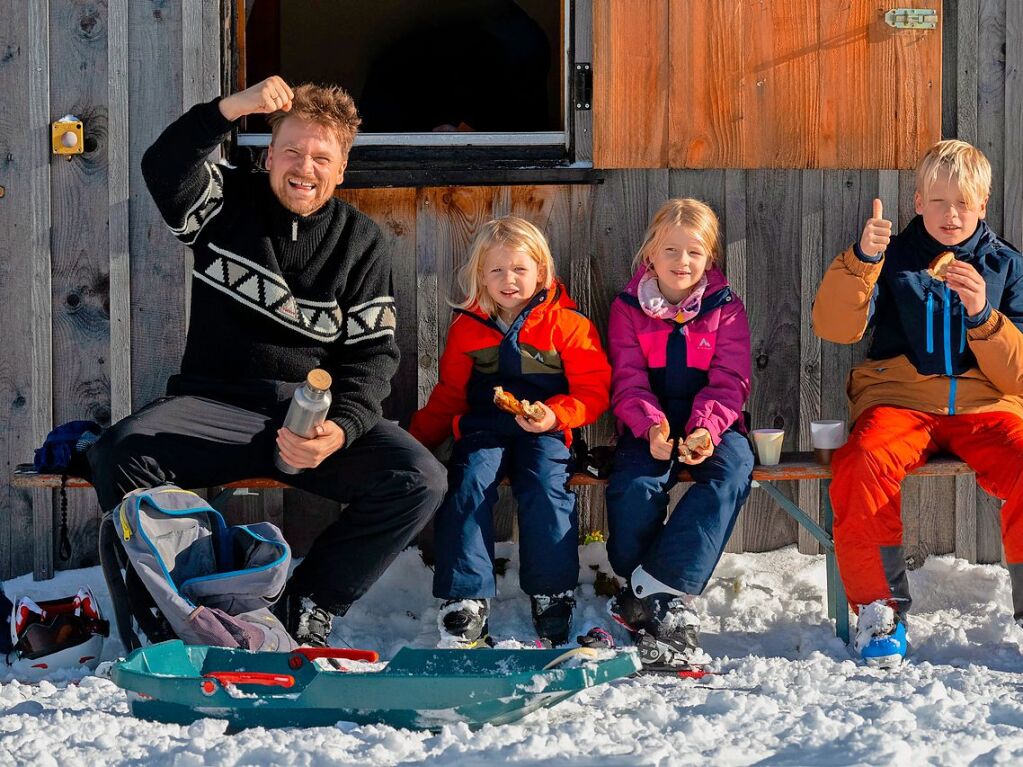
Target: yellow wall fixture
(66,136)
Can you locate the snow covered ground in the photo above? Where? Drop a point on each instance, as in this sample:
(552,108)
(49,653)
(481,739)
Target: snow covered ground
(787,691)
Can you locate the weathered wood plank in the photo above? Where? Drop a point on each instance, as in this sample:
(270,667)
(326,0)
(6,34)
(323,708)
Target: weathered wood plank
(991,101)
(592,510)
(734,223)
(705,185)
(621,212)
(26,517)
(966,56)
(773,226)
(1012,220)
(811,273)
(160,265)
(630,83)
(966,518)
(118,159)
(80,240)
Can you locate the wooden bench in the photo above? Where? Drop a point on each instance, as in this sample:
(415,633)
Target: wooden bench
(794,467)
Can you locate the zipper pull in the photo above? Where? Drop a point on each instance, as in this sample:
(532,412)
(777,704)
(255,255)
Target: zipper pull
(294,230)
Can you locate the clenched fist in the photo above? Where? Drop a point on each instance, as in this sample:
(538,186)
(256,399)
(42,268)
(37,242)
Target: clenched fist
(271,95)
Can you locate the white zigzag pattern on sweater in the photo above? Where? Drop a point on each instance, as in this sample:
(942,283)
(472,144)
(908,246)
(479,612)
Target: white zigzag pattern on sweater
(205,208)
(268,293)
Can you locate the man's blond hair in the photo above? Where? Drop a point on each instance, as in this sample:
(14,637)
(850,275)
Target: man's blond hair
(959,161)
(327,105)
(694,215)
(517,235)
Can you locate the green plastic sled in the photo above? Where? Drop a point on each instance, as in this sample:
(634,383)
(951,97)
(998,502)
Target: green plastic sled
(419,689)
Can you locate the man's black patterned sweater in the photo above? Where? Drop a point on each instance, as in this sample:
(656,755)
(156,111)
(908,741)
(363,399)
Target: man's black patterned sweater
(274,294)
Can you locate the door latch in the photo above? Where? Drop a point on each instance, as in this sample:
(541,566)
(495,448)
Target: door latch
(911,18)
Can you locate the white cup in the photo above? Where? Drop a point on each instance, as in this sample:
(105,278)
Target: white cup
(768,444)
(825,438)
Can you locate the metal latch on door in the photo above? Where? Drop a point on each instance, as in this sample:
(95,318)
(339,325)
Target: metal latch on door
(912,18)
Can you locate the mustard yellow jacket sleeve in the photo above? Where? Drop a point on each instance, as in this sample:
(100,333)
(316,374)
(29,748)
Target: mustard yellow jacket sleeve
(998,346)
(842,307)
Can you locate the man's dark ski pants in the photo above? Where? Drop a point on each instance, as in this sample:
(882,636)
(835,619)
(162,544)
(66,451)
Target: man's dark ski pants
(391,483)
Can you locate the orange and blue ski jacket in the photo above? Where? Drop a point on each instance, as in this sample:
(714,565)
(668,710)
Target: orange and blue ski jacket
(550,353)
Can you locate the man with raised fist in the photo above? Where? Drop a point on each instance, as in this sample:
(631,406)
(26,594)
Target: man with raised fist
(286,278)
(944,373)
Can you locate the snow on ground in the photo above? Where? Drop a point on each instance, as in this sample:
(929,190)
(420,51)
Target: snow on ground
(787,691)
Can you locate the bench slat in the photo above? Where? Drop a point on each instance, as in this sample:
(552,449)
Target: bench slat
(793,467)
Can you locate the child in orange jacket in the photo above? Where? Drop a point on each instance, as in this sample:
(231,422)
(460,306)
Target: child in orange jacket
(944,373)
(517,329)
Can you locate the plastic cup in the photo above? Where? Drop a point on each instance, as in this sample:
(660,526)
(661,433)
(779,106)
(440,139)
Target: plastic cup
(825,438)
(768,444)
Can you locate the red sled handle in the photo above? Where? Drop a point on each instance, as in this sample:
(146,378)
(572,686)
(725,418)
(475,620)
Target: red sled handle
(344,653)
(251,677)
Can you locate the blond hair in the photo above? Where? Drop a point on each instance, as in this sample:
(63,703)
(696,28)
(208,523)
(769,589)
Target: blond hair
(514,233)
(960,161)
(696,216)
(329,106)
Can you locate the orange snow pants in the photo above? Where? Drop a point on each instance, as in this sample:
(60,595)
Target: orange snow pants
(885,445)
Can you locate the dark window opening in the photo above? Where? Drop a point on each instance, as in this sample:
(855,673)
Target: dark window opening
(421,67)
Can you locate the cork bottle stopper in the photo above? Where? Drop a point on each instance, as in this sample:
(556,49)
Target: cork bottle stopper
(318,379)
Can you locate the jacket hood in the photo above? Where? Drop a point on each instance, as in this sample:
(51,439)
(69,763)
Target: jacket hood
(716,280)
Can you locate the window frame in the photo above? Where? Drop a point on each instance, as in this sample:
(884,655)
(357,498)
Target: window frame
(420,159)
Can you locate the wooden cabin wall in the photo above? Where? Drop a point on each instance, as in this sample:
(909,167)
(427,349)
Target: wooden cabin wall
(93,288)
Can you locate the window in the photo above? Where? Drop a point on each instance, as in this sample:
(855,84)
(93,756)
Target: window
(435,81)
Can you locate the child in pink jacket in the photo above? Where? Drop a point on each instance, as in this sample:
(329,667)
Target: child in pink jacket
(679,346)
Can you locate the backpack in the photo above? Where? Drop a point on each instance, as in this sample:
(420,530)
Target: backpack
(174,565)
(63,452)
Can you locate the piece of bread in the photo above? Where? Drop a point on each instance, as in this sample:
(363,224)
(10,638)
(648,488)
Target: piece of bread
(693,443)
(939,265)
(511,404)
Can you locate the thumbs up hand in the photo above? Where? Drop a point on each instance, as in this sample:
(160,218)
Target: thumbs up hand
(877,233)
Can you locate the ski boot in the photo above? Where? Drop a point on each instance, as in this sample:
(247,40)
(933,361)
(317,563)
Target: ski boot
(552,616)
(464,624)
(880,636)
(307,622)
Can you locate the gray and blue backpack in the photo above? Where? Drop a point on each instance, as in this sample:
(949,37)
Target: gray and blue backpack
(180,571)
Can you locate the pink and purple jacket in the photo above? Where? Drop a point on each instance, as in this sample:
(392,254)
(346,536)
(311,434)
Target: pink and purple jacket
(693,374)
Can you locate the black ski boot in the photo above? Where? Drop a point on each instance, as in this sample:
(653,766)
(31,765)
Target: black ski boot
(308,623)
(670,644)
(628,610)
(463,623)
(552,616)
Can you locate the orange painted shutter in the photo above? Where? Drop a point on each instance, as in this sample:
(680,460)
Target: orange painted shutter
(763,84)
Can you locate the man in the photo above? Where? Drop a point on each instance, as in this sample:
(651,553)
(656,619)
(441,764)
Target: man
(287,278)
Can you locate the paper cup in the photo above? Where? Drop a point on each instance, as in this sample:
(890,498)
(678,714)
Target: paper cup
(768,444)
(825,438)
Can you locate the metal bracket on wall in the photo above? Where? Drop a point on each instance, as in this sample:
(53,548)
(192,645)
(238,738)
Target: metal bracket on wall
(582,86)
(912,18)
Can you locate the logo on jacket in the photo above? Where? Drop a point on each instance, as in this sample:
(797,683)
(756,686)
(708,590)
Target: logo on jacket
(704,344)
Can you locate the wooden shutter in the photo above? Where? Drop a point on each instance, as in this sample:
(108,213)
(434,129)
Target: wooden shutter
(763,84)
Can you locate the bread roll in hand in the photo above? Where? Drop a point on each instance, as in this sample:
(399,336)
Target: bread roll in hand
(939,265)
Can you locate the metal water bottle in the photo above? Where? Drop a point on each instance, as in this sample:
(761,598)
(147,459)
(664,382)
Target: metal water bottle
(308,409)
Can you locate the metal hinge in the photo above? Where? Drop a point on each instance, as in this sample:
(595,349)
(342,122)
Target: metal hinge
(911,18)
(582,86)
